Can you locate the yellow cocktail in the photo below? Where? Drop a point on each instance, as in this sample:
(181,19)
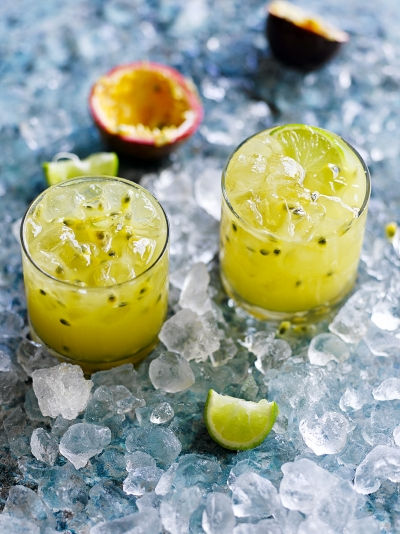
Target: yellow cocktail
(293,215)
(95,261)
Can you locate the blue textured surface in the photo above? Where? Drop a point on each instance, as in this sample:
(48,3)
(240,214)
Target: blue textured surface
(51,52)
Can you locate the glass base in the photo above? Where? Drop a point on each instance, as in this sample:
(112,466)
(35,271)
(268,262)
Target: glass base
(91,366)
(304,316)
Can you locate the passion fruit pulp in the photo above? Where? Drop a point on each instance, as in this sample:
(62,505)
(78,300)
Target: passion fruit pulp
(300,39)
(145,109)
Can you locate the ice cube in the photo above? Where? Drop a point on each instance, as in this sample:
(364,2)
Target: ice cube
(194,337)
(107,502)
(137,523)
(381,463)
(353,399)
(63,488)
(351,322)
(218,517)
(396,435)
(12,524)
(142,479)
(25,504)
(82,441)
(137,459)
(254,496)
(270,354)
(124,375)
(194,295)
(326,347)
(177,508)
(107,401)
(61,390)
(171,373)
(389,389)
(18,430)
(326,434)
(44,446)
(160,442)
(162,413)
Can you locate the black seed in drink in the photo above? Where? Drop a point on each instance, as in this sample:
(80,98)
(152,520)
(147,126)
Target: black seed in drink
(88,207)
(329,273)
(143,290)
(234,227)
(100,235)
(112,298)
(227,239)
(122,304)
(42,291)
(111,253)
(65,348)
(322,241)
(158,298)
(250,249)
(59,269)
(277,251)
(65,322)
(67,223)
(126,199)
(128,235)
(264,252)
(298,283)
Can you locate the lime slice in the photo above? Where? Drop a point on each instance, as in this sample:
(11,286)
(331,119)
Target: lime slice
(238,424)
(65,166)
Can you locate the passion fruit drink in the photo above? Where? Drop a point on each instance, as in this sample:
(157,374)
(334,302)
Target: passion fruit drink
(95,261)
(293,216)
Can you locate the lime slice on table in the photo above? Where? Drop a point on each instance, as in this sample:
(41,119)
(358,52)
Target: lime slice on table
(238,424)
(65,166)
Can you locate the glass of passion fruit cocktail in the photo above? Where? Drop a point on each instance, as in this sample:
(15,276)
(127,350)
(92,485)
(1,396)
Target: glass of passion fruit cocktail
(95,262)
(294,208)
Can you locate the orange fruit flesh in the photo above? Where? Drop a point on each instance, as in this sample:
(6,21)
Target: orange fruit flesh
(141,103)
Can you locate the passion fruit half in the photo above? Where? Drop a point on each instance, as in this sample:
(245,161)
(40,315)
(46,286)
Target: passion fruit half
(145,109)
(300,39)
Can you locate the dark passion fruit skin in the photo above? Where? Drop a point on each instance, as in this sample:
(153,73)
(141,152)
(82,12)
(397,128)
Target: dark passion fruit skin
(299,39)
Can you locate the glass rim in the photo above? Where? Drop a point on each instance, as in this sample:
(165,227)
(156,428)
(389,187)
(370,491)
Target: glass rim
(266,232)
(73,285)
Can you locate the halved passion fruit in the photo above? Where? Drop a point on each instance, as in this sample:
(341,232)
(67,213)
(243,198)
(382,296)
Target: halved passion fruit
(299,39)
(145,109)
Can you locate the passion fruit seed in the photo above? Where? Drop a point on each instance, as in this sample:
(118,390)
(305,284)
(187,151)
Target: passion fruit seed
(390,230)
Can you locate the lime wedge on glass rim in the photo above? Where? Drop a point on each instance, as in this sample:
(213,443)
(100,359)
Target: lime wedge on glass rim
(65,166)
(238,424)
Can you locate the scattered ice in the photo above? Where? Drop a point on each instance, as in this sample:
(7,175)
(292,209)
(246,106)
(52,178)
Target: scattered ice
(351,322)
(177,508)
(82,441)
(389,389)
(44,446)
(328,501)
(254,496)
(137,523)
(108,401)
(26,505)
(218,516)
(160,442)
(194,295)
(171,373)
(124,375)
(32,356)
(326,434)
(142,479)
(353,399)
(61,390)
(107,501)
(12,524)
(382,463)
(162,413)
(326,347)
(192,336)
(396,435)
(363,525)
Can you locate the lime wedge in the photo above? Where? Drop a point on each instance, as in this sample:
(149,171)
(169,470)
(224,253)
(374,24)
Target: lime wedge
(65,166)
(238,424)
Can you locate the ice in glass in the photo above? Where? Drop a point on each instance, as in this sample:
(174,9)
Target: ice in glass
(293,215)
(95,262)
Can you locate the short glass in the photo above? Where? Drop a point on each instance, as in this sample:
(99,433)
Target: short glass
(274,277)
(95,263)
